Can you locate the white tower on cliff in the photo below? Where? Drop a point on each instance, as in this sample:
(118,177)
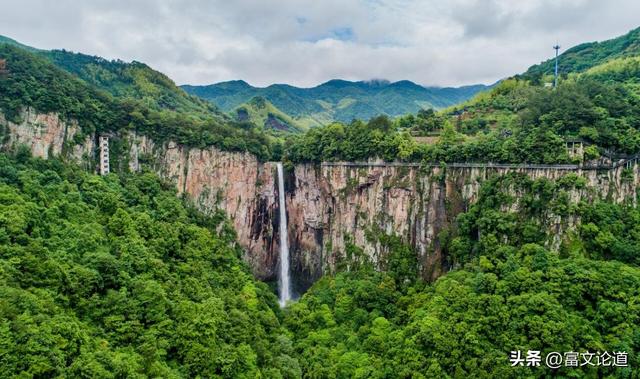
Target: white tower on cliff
(104,155)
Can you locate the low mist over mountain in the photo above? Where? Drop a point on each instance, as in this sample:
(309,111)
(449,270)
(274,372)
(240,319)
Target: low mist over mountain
(337,100)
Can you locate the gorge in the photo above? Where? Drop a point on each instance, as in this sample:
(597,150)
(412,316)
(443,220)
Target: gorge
(329,207)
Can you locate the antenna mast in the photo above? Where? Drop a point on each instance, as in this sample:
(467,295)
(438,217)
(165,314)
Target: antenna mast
(555,76)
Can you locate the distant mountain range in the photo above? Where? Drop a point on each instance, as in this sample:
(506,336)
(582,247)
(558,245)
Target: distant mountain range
(280,107)
(335,100)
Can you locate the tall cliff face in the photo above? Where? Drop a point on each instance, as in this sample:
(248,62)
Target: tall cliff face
(328,206)
(235,183)
(47,135)
(332,205)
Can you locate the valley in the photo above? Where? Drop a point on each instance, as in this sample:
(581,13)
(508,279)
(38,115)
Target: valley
(417,242)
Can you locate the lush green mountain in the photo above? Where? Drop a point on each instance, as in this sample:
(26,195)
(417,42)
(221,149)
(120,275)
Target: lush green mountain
(133,80)
(518,120)
(115,276)
(260,111)
(586,55)
(337,100)
(13,42)
(132,97)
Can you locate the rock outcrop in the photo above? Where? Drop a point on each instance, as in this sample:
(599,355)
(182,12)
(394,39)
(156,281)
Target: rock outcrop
(329,206)
(236,183)
(47,135)
(341,203)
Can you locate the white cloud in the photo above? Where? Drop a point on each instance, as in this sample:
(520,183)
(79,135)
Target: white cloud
(307,42)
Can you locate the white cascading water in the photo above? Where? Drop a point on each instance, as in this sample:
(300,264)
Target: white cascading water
(284,280)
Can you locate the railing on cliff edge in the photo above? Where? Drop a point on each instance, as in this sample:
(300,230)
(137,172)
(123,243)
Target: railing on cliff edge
(628,162)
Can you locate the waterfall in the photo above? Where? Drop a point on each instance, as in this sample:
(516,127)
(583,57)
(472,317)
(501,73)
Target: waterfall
(285,279)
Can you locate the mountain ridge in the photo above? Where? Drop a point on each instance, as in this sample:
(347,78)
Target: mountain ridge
(337,99)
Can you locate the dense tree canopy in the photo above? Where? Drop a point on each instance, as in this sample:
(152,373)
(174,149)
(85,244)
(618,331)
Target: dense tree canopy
(508,293)
(587,55)
(116,276)
(515,122)
(133,80)
(105,277)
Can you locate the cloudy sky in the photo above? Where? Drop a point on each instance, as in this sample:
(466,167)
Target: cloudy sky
(304,43)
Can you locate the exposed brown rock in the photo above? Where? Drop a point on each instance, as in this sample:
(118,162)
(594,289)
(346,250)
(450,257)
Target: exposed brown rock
(326,205)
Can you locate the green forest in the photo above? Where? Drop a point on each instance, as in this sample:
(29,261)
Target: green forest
(118,276)
(515,122)
(112,277)
(519,120)
(336,100)
(105,277)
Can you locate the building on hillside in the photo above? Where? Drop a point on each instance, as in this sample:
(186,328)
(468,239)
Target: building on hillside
(103,165)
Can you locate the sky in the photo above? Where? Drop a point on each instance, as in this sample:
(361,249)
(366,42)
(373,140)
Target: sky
(305,43)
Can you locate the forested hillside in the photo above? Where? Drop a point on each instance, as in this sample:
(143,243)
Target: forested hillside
(32,80)
(518,121)
(586,55)
(116,277)
(514,123)
(133,80)
(260,111)
(508,293)
(337,100)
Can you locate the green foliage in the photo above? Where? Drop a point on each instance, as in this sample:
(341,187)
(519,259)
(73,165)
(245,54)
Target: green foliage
(117,277)
(133,80)
(464,325)
(424,122)
(360,141)
(354,142)
(515,122)
(584,56)
(611,231)
(337,100)
(610,110)
(153,110)
(259,111)
(512,294)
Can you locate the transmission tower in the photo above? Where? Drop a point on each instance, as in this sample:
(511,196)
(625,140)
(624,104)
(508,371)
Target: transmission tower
(555,75)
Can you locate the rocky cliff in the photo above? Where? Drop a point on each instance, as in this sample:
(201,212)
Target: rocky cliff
(47,135)
(339,203)
(329,206)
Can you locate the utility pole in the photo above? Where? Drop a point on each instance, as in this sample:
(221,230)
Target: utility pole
(555,77)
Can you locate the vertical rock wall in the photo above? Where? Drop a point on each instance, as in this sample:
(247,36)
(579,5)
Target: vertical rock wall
(328,206)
